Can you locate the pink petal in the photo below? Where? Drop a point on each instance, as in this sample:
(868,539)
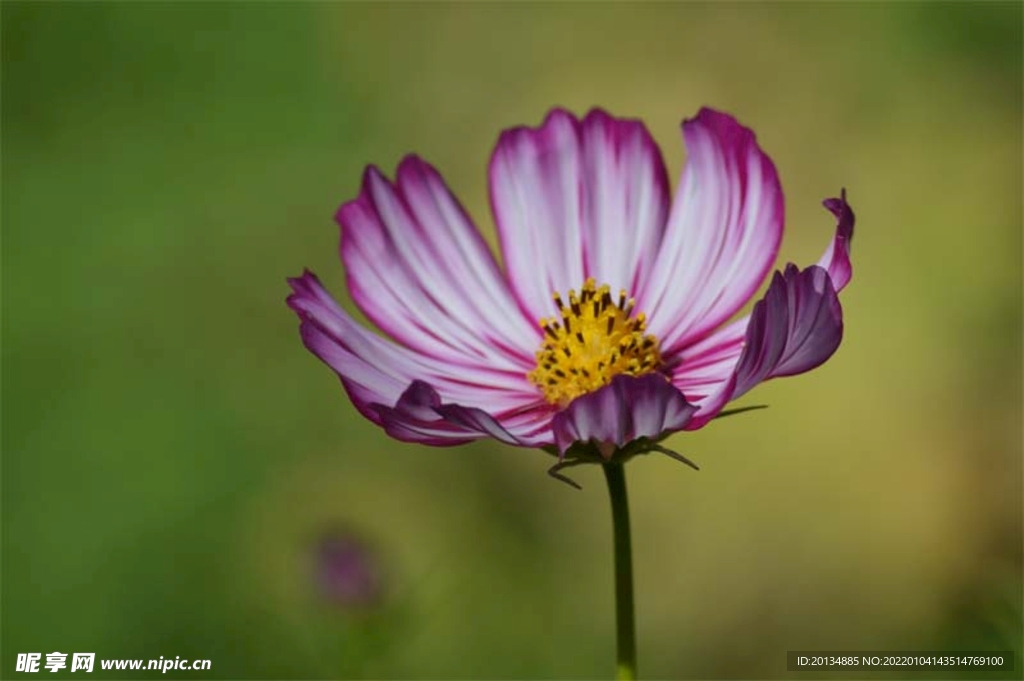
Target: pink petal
(794,328)
(703,367)
(418,268)
(723,232)
(628,408)
(421,416)
(576,199)
(376,371)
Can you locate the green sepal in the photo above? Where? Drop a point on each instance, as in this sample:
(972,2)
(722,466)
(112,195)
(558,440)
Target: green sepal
(739,410)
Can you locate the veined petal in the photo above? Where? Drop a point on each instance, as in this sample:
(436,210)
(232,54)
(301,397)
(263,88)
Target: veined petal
(704,367)
(576,199)
(418,268)
(375,370)
(701,368)
(629,407)
(794,328)
(723,232)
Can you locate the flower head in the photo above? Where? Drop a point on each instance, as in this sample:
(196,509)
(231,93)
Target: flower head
(347,571)
(609,326)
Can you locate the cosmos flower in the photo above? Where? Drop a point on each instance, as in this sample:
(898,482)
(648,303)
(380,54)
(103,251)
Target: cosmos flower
(347,571)
(609,326)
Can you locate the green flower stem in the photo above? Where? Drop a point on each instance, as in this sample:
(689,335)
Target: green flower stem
(625,622)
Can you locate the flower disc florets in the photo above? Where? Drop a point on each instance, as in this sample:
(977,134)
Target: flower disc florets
(595,340)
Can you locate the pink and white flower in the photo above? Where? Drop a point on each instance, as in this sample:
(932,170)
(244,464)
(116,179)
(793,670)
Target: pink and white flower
(609,324)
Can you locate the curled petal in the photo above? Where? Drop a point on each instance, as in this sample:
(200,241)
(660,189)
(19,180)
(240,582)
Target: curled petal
(704,367)
(836,259)
(575,199)
(794,328)
(629,407)
(723,232)
(813,332)
(420,416)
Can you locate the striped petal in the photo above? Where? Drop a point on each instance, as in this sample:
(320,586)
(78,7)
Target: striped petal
(723,232)
(794,328)
(576,199)
(377,372)
(629,407)
(705,367)
(419,269)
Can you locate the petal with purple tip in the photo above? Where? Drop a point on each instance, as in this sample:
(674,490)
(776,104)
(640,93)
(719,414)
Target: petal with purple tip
(629,407)
(418,268)
(575,199)
(723,232)
(376,371)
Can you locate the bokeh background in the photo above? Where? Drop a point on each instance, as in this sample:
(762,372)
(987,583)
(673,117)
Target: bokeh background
(175,462)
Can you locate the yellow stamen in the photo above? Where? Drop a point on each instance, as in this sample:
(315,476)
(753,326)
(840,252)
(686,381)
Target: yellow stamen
(595,340)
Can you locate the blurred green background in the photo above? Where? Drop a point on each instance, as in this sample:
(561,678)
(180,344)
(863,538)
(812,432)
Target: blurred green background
(171,452)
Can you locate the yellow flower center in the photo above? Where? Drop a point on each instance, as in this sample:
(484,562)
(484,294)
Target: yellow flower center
(595,340)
